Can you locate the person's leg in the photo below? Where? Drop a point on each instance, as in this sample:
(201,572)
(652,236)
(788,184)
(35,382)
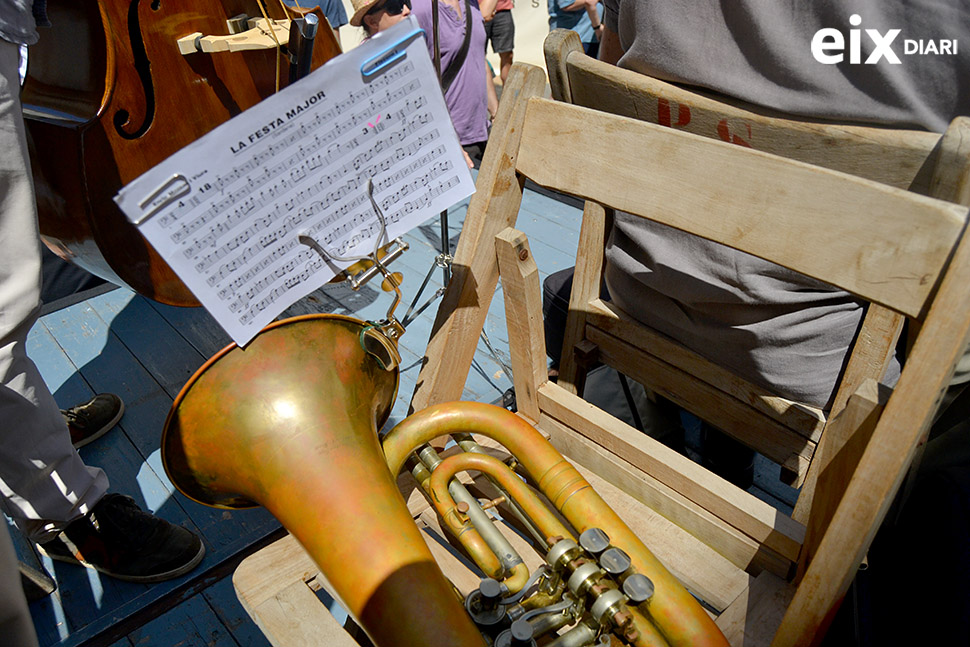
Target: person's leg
(43,482)
(475,151)
(555,307)
(56,499)
(505,64)
(503,41)
(730,459)
(16,627)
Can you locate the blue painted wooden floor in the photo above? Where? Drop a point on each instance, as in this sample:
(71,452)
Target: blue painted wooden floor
(144,351)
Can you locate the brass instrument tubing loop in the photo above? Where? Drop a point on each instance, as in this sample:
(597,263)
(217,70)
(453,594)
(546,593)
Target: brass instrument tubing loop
(510,569)
(481,553)
(466,442)
(682,621)
(535,508)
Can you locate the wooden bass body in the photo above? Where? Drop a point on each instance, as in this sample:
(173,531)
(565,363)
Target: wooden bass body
(108,96)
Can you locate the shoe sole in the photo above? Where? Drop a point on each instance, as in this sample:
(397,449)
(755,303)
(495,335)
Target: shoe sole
(108,427)
(144,579)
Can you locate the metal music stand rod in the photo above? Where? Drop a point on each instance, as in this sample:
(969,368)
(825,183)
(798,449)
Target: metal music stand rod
(443,218)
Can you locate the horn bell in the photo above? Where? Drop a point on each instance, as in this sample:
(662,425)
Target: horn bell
(291,423)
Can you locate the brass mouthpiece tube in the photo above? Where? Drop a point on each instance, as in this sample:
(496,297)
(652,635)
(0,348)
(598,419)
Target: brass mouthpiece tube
(673,610)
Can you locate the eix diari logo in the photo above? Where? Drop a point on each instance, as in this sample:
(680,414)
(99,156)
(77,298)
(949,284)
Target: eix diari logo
(829,46)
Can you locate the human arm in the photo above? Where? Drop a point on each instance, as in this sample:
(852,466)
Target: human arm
(610,49)
(487,7)
(592,10)
(491,95)
(580,5)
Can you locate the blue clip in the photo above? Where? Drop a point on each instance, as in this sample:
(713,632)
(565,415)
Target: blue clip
(387,57)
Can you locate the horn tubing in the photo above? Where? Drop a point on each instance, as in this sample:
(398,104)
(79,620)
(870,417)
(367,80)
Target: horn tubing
(538,511)
(466,532)
(675,612)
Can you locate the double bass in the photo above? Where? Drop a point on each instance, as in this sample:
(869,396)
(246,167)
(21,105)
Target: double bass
(108,95)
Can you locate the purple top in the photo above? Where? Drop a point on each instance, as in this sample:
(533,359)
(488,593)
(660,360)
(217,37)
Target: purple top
(465,98)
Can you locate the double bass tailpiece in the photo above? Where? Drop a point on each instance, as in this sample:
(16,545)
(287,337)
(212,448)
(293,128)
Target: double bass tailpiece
(260,33)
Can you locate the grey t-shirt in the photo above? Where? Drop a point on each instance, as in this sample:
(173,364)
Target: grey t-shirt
(773,326)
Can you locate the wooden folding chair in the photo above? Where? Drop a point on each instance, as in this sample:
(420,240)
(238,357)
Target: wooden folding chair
(842,224)
(785,431)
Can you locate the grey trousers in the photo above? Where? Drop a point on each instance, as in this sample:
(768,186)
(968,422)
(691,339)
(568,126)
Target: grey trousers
(43,482)
(15,623)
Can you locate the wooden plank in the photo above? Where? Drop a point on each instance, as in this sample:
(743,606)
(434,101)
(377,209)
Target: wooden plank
(845,440)
(294,617)
(890,156)
(145,333)
(197,326)
(871,353)
(60,374)
(556,48)
(754,518)
(523,307)
(486,380)
(192,623)
(587,281)
(738,549)
(752,618)
(951,177)
(221,597)
(494,207)
(797,416)
(263,574)
(904,424)
(785,217)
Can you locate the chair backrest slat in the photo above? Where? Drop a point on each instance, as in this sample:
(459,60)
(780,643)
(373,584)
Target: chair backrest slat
(778,209)
(899,158)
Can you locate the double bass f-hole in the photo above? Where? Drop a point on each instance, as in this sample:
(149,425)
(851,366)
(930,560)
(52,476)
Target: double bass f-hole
(122,117)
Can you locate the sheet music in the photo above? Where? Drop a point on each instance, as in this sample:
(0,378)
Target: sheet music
(226,211)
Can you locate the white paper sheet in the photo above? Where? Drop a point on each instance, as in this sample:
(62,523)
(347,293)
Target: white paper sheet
(226,211)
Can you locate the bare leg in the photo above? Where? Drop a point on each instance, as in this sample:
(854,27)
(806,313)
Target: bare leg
(505,64)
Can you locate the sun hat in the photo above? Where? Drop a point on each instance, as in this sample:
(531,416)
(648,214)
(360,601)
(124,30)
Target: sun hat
(361,7)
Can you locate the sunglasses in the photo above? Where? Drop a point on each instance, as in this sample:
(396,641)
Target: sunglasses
(392,7)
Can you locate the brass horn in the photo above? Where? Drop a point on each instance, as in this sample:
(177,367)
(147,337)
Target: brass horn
(291,423)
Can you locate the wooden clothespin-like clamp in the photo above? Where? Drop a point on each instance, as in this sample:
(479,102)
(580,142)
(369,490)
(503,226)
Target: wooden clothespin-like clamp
(245,33)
